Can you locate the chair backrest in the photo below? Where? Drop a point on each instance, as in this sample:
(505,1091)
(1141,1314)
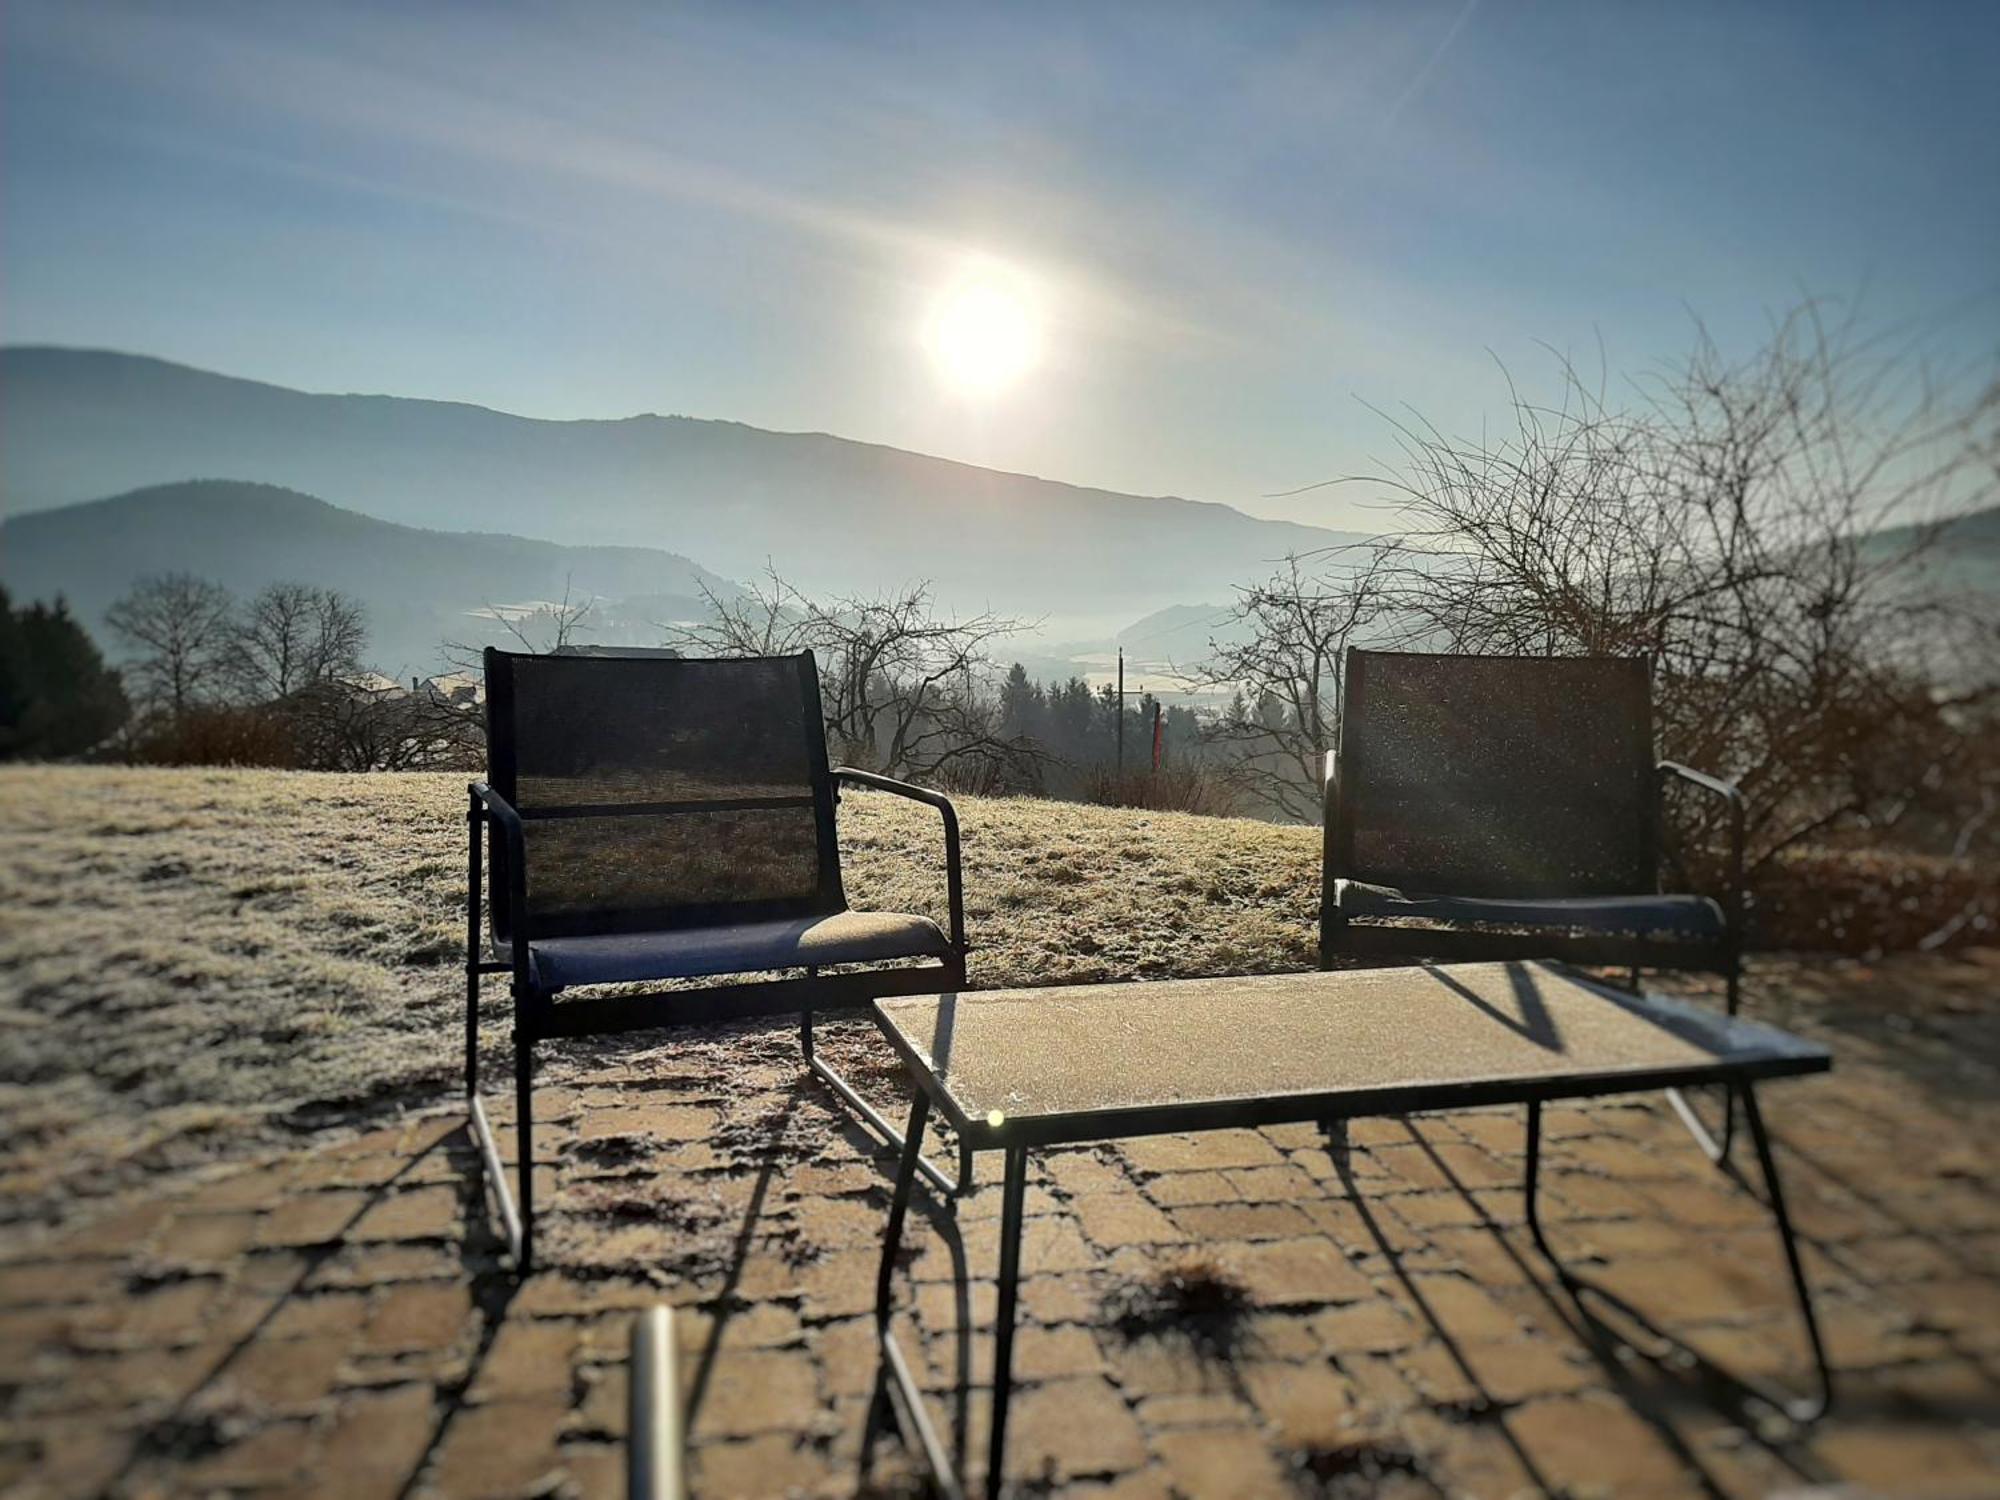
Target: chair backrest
(1495,775)
(659,791)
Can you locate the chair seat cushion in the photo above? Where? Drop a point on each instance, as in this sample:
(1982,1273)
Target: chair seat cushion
(1690,917)
(847,937)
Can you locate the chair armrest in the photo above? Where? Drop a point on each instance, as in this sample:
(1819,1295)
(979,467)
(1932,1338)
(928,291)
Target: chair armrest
(954,878)
(488,805)
(1727,790)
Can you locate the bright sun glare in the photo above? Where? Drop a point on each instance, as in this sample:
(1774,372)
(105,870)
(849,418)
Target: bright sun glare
(985,332)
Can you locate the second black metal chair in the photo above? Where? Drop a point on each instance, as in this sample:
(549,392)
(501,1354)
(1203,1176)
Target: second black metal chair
(655,818)
(1483,807)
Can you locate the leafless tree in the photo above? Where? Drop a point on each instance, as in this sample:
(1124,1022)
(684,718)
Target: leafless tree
(181,633)
(1753,526)
(292,636)
(1285,674)
(901,686)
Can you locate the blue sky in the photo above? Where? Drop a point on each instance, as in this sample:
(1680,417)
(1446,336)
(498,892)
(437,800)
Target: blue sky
(1241,224)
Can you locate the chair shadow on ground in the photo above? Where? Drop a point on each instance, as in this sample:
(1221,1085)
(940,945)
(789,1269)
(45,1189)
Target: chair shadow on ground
(848,1140)
(941,1221)
(1688,1378)
(1340,1150)
(725,1304)
(1535,1023)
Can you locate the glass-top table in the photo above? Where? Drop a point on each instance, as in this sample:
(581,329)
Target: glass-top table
(1091,1062)
(1016,1070)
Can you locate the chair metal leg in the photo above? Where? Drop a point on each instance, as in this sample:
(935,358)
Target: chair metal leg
(524,1138)
(1014,1194)
(895,1383)
(511,1221)
(1800,1409)
(496,1179)
(1732,1003)
(1715,1146)
(472,1033)
(473,871)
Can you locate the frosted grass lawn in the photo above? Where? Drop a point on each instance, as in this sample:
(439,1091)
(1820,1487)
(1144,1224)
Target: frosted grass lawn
(196,961)
(198,964)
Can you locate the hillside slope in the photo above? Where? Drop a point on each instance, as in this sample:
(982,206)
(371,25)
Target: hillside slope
(418,586)
(833,514)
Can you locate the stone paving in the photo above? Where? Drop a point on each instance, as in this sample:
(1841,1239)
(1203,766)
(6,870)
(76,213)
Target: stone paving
(1367,1321)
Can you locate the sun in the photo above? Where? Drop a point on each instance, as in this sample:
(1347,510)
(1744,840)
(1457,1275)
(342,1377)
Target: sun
(985,332)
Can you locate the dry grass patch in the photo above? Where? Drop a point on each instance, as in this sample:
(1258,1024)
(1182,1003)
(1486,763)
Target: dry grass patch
(1198,1300)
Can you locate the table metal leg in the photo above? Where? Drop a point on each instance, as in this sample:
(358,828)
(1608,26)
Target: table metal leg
(1014,1195)
(899,1207)
(896,1383)
(1801,1409)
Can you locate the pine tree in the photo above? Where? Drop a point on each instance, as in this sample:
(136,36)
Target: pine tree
(1023,708)
(57,697)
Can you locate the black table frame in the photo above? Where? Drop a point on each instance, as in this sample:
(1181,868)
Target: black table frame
(897,1389)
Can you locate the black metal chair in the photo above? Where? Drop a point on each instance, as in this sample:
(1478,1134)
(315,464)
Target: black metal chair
(651,817)
(1485,807)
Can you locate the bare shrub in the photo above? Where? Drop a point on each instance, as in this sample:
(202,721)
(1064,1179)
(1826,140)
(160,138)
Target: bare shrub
(903,688)
(218,735)
(348,726)
(1759,529)
(1736,524)
(1872,901)
(1190,788)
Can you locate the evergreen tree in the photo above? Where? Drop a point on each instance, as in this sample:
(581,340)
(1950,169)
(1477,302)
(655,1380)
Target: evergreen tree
(1023,706)
(57,697)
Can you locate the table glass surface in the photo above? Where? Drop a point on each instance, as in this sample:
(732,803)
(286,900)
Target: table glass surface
(1043,1053)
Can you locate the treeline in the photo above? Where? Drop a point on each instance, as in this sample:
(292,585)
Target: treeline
(206,678)
(278,679)
(1073,732)
(913,691)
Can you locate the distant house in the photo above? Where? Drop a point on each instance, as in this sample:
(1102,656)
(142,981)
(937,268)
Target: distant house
(452,687)
(374,685)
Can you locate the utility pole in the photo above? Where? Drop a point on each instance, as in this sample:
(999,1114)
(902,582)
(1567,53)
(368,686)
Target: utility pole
(1121,710)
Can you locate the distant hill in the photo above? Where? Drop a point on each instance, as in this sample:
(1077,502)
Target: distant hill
(1962,564)
(419,586)
(832,514)
(1181,633)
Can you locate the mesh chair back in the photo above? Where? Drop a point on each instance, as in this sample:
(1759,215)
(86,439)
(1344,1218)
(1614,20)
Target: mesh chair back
(1496,776)
(659,791)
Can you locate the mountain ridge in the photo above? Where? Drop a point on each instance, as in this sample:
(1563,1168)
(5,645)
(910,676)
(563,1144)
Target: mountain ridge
(419,586)
(834,514)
